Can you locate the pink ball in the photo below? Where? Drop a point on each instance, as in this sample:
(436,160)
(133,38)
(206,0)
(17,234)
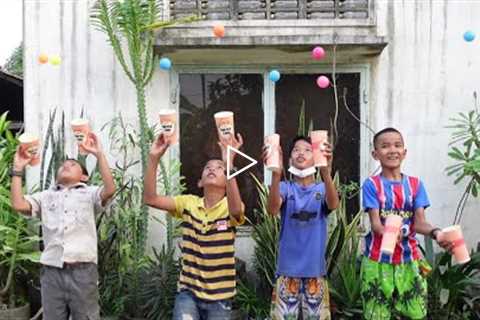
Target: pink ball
(318,53)
(323,82)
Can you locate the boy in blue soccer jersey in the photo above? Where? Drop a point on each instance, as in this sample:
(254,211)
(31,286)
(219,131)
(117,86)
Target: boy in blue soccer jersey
(394,282)
(303,204)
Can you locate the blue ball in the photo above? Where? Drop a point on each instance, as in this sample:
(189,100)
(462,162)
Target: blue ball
(165,64)
(274,75)
(469,36)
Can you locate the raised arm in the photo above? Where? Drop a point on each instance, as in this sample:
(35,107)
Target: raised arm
(274,201)
(150,195)
(93,146)
(18,201)
(331,194)
(235,205)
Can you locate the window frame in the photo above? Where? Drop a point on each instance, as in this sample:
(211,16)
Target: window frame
(268,99)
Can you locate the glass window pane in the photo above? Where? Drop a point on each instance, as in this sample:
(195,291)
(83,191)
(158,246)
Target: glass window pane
(201,96)
(294,90)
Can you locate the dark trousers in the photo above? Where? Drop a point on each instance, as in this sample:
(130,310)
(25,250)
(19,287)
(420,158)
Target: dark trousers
(70,291)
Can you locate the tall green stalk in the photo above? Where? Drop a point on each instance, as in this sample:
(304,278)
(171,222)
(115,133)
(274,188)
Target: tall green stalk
(132,22)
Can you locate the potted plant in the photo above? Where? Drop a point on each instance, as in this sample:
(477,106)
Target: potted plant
(17,255)
(18,241)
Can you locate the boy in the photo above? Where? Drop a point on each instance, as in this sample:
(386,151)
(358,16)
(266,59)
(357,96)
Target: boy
(207,280)
(394,282)
(67,213)
(304,206)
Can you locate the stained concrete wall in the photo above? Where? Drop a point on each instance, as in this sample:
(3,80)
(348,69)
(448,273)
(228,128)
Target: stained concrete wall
(424,76)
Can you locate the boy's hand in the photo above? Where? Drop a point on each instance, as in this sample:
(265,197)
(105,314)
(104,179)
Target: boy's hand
(328,153)
(159,146)
(92,145)
(233,142)
(20,160)
(447,245)
(265,153)
(378,228)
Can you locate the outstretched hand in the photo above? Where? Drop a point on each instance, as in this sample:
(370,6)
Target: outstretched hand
(234,143)
(20,160)
(265,154)
(159,146)
(92,144)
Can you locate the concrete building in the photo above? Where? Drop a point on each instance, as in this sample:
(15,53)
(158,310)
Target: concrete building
(404,64)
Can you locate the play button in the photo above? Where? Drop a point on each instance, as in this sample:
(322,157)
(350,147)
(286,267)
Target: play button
(251,164)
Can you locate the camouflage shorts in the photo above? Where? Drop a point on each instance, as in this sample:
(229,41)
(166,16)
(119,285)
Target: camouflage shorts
(387,287)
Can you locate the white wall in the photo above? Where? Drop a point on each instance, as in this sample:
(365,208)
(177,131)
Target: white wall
(425,75)
(89,76)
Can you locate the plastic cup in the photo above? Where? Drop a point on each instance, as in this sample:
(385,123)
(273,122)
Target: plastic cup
(390,235)
(273,156)
(81,130)
(168,124)
(319,137)
(225,126)
(30,148)
(454,234)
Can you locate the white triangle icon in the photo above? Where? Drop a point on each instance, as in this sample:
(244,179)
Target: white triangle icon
(231,149)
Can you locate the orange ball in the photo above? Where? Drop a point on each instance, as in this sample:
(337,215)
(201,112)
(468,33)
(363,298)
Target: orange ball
(219,31)
(43,58)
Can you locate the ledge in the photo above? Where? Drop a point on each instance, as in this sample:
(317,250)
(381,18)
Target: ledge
(284,36)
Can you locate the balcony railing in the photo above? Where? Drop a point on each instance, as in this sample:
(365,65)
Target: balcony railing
(272,9)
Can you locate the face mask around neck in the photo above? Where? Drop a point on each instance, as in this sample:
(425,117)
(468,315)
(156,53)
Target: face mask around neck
(302,173)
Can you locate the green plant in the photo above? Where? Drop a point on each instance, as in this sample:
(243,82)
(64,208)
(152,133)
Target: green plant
(54,146)
(345,284)
(119,228)
(343,263)
(18,251)
(124,270)
(453,289)
(159,284)
(465,150)
(302,128)
(254,297)
(341,230)
(132,22)
(14,63)
(18,254)
(251,304)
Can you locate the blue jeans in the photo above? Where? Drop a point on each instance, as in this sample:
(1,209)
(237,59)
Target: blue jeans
(188,307)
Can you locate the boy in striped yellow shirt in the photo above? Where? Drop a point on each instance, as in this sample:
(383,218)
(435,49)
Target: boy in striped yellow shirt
(207,279)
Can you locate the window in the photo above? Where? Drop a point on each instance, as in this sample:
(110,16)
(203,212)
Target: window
(201,96)
(258,103)
(294,90)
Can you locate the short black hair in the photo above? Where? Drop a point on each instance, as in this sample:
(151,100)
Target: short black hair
(212,159)
(295,140)
(386,130)
(84,169)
